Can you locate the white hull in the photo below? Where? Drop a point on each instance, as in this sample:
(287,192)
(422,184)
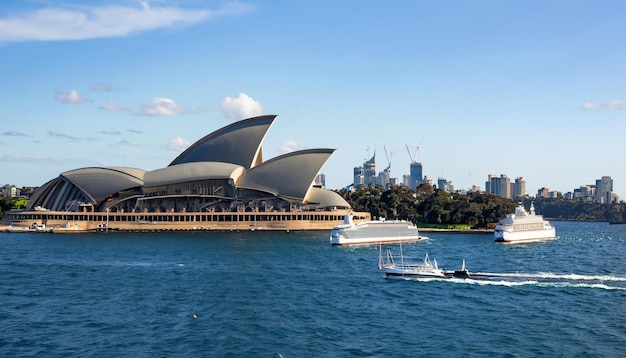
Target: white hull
(391,268)
(414,272)
(338,240)
(523,226)
(373,232)
(525,236)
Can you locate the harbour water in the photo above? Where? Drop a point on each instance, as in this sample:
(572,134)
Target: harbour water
(273,294)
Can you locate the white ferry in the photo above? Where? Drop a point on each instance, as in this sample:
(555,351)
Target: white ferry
(373,232)
(523,226)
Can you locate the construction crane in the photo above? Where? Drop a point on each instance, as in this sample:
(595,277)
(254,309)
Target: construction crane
(410,156)
(388,158)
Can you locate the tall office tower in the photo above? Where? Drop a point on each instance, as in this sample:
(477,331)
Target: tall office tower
(519,187)
(505,186)
(384,178)
(416,175)
(604,189)
(359,177)
(490,178)
(406,180)
(370,170)
(499,186)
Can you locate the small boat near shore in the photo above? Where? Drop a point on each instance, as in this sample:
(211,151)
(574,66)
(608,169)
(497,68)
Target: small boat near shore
(373,232)
(400,267)
(523,226)
(35,227)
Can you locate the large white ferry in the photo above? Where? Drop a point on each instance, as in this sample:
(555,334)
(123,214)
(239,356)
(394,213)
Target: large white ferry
(523,226)
(373,231)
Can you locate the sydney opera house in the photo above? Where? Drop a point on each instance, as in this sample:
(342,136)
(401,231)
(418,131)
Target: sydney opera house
(221,182)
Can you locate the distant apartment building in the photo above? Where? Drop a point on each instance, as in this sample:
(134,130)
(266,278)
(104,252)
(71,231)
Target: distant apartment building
(10,191)
(604,190)
(499,185)
(358,178)
(584,191)
(444,184)
(320,180)
(543,193)
(519,187)
(406,180)
(384,178)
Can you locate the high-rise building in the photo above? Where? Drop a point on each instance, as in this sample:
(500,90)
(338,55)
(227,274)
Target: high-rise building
(359,176)
(604,189)
(416,175)
(370,170)
(320,180)
(406,180)
(519,187)
(444,184)
(384,178)
(499,185)
(490,178)
(366,174)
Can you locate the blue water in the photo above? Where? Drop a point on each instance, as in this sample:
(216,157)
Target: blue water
(264,294)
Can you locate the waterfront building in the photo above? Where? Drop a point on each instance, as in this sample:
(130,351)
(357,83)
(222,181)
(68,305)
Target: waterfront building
(220,182)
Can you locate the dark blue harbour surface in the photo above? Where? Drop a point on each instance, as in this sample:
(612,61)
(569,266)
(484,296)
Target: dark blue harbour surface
(265,294)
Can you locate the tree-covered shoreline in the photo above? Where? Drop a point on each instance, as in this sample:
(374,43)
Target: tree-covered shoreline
(429,206)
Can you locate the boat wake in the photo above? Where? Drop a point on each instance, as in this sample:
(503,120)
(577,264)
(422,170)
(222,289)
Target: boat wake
(544,279)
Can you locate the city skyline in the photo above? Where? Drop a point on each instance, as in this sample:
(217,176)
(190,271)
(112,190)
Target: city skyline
(368,173)
(530,89)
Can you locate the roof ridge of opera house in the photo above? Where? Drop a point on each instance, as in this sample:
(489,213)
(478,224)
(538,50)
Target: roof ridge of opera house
(220,182)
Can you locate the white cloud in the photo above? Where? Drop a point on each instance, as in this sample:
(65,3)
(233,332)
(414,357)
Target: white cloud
(592,105)
(15,134)
(289,146)
(161,107)
(240,107)
(617,105)
(71,97)
(177,143)
(101,87)
(68,136)
(113,107)
(77,22)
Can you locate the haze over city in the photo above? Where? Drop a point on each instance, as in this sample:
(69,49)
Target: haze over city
(532,89)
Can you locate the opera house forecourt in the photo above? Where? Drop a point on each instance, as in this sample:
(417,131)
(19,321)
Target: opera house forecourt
(221,182)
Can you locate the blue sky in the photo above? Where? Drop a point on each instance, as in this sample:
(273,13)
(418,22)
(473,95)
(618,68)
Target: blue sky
(534,89)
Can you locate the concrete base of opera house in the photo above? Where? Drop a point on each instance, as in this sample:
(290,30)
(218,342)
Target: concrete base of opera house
(64,222)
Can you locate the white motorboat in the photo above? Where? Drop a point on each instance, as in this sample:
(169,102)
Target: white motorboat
(523,226)
(391,267)
(373,232)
